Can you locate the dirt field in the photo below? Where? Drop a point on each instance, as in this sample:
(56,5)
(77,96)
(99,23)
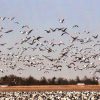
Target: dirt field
(51,88)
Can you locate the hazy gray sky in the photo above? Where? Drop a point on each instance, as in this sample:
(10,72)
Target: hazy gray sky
(43,14)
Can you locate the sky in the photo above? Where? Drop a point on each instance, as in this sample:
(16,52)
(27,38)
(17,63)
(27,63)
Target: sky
(43,14)
(46,12)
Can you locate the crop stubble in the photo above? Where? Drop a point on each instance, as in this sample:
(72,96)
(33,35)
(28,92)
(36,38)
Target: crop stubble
(52,88)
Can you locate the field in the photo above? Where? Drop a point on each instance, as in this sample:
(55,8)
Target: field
(51,88)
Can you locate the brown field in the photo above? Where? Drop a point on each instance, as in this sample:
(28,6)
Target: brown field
(52,88)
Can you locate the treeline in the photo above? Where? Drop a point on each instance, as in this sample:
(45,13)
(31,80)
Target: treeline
(15,80)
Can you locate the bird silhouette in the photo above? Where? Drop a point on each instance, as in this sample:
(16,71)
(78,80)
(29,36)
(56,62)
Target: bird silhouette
(95,37)
(29,31)
(75,26)
(47,31)
(8,31)
(61,20)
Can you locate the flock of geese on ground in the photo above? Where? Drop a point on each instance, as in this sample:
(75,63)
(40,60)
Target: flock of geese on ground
(52,49)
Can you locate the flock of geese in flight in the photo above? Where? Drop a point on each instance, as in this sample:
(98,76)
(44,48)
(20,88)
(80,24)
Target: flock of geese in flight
(52,50)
